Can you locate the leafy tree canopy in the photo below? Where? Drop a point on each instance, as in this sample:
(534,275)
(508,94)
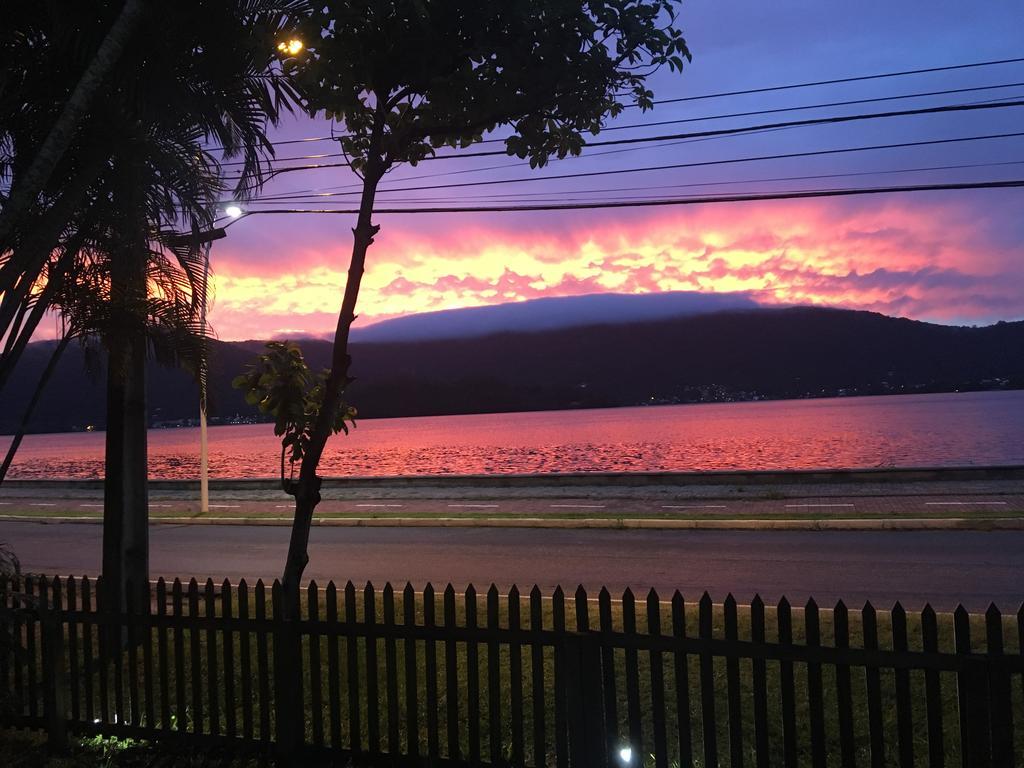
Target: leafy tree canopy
(408,76)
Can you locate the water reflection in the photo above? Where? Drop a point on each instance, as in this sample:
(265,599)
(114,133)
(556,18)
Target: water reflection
(918,430)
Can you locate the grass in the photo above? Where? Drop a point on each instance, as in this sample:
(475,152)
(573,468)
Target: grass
(21,749)
(542,704)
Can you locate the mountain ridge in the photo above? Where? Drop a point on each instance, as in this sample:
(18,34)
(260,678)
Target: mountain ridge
(711,357)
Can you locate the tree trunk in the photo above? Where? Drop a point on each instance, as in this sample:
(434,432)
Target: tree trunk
(125,492)
(24,194)
(26,417)
(307,489)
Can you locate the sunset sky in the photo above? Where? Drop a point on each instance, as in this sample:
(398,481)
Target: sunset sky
(951,257)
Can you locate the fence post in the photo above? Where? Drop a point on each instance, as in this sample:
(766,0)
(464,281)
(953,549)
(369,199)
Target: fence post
(580,656)
(54,684)
(288,697)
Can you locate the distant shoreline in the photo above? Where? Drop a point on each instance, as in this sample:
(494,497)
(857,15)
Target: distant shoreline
(216,421)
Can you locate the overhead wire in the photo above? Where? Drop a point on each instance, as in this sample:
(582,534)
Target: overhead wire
(693,164)
(690,185)
(766,89)
(697,200)
(832,119)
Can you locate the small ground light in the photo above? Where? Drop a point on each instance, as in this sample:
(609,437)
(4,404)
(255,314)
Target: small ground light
(626,755)
(233,211)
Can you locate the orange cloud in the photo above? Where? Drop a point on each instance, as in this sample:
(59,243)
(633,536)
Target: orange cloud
(929,259)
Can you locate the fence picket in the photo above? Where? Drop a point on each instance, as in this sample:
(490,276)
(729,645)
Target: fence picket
(472,678)
(228,651)
(6,652)
(147,657)
(632,669)
(611,718)
(759,681)
(1000,702)
(494,733)
(904,711)
(372,672)
(74,690)
(88,660)
(391,670)
(30,649)
(177,610)
(245,659)
(932,690)
(412,705)
(972,696)
(844,692)
(162,660)
(430,663)
(316,698)
(262,661)
(787,685)
(212,676)
(333,668)
(658,683)
(732,674)
(709,725)
(561,716)
(682,681)
(198,719)
(451,679)
(815,695)
(515,666)
(872,677)
(537,696)
(355,731)
(133,657)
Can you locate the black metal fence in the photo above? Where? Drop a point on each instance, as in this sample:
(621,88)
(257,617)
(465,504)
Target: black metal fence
(522,680)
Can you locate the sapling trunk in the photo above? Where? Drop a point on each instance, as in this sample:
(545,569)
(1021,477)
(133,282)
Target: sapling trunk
(307,489)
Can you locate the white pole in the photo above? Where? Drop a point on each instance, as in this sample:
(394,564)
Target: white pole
(204,473)
(204,468)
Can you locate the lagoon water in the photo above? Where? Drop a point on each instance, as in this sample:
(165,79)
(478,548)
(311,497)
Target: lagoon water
(978,428)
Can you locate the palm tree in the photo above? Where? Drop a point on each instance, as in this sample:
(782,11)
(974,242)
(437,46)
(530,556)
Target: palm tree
(192,86)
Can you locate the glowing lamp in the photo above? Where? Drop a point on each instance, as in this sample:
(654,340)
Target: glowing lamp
(291,47)
(626,755)
(233,211)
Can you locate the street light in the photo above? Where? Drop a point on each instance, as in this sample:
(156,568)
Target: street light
(292,47)
(234,211)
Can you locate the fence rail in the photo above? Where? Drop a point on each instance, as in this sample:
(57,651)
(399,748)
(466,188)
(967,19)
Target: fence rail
(511,679)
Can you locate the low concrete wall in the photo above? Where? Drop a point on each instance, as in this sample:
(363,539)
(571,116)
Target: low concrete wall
(579,479)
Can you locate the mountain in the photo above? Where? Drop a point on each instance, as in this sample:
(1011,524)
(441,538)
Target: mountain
(551,313)
(729,355)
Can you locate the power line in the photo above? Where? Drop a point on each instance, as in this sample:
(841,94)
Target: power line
(716,132)
(738,182)
(858,78)
(800,108)
(798,195)
(696,164)
(770,126)
(767,89)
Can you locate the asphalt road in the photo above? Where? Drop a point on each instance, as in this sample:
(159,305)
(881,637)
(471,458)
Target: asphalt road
(941,567)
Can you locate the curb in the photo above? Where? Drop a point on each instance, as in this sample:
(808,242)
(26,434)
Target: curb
(838,524)
(762,477)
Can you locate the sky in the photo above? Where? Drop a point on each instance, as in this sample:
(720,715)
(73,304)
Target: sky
(948,257)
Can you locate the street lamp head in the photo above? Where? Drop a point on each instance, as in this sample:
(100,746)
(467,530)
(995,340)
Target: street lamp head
(291,47)
(233,211)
